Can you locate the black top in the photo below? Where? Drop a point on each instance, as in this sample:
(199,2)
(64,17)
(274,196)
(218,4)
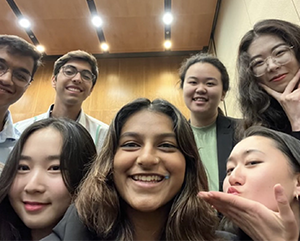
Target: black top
(72,228)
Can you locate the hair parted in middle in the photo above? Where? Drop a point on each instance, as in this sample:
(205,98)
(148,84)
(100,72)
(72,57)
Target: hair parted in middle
(100,206)
(77,154)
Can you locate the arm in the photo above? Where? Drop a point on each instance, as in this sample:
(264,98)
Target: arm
(256,220)
(289,100)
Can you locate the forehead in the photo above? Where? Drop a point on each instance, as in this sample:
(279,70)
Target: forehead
(79,64)
(15,60)
(263,44)
(148,121)
(259,143)
(203,70)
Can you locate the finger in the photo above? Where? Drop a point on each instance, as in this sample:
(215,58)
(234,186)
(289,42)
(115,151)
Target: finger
(292,84)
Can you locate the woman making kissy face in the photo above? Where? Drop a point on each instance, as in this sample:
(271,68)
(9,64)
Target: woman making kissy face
(41,176)
(144,183)
(263,163)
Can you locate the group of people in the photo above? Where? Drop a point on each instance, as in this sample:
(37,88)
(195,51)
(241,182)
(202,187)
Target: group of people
(71,177)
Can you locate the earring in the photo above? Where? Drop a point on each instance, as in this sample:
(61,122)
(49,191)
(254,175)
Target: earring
(297,197)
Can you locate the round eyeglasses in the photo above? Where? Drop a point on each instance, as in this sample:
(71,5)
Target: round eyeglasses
(280,56)
(70,71)
(19,76)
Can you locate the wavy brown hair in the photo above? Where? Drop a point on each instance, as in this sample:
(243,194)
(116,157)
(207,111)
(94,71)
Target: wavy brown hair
(100,206)
(257,106)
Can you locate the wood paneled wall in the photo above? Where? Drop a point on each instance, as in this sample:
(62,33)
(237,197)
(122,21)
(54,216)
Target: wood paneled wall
(120,81)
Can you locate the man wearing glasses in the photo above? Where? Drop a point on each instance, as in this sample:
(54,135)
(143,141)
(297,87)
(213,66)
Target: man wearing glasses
(19,61)
(74,77)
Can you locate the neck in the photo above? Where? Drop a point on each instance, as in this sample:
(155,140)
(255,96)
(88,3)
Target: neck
(148,225)
(200,119)
(70,112)
(2,118)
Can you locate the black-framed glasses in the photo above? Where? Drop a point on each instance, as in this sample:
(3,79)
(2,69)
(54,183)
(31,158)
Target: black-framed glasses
(19,76)
(280,56)
(70,71)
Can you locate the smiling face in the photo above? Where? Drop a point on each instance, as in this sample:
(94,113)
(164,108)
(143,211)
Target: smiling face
(72,90)
(254,166)
(277,76)
(38,194)
(9,91)
(148,152)
(203,89)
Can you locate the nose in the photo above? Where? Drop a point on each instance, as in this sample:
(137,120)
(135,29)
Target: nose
(77,78)
(35,182)
(6,78)
(271,64)
(237,177)
(147,158)
(201,89)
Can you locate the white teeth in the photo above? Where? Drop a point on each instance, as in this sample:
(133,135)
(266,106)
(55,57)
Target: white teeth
(74,89)
(151,178)
(200,99)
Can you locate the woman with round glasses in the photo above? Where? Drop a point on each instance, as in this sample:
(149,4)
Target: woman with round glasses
(268,66)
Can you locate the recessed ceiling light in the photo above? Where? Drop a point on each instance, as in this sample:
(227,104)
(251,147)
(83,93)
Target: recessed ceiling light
(40,48)
(24,22)
(104,46)
(97,21)
(168,18)
(168,44)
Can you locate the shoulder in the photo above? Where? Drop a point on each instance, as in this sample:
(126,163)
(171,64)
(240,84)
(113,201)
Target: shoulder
(69,228)
(22,125)
(226,236)
(93,121)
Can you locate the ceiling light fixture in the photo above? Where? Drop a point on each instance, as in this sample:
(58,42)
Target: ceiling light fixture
(104,47)
(40,48)
(97,21)
(168,44)
(168,18)
(24,23)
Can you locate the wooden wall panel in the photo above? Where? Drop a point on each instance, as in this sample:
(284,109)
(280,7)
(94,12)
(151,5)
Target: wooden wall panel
(120,81)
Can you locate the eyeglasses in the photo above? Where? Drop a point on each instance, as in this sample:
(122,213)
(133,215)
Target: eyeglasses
(280,56)
(19,76)
(70,71)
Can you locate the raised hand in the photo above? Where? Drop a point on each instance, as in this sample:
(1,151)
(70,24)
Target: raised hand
(289,100)
(256,220)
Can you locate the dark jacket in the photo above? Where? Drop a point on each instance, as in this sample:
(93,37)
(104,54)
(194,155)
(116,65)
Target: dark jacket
(225,143)
(71,228)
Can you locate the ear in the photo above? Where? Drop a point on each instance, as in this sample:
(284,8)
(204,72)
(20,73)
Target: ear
(223,95)
(297,188)
(54,81)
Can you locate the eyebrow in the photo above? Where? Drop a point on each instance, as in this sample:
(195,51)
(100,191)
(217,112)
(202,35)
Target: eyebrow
(135,134)
(49,158)
(246,153)
(206,78)
(272,49)
(77,68)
